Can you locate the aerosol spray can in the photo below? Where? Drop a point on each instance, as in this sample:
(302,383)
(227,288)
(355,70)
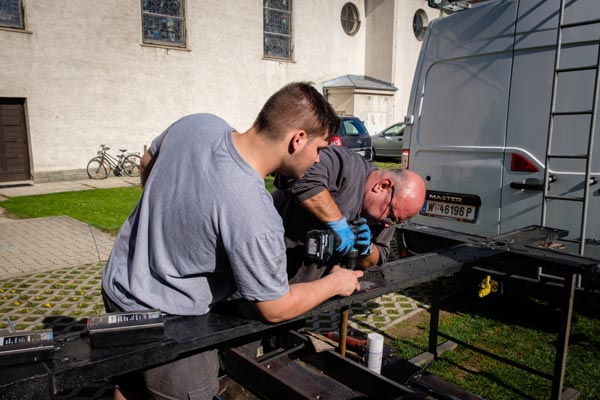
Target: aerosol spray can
(375,349)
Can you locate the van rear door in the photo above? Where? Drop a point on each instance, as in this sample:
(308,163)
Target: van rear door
(531,93)
(529,109)
(460,108)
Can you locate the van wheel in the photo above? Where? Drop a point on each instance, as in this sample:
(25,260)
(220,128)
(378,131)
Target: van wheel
(373,155)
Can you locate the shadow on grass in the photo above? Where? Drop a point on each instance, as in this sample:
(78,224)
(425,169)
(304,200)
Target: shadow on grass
(527,305)
(498,380)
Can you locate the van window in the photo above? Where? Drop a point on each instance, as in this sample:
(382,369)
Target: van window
(467,98)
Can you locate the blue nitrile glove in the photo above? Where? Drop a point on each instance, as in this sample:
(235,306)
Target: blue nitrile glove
(345,234)
(363,237)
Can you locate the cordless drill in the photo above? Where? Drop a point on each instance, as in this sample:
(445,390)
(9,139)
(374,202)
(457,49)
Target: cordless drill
(321,245)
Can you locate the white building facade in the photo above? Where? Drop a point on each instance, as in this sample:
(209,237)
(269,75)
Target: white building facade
(77,74)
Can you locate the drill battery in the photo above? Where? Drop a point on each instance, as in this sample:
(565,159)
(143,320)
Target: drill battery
(320,245)
(26,347)
(125,328)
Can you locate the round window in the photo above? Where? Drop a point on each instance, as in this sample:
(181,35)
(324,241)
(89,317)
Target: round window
(350,19)
(420,24)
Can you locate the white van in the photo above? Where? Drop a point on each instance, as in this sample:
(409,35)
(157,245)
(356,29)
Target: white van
(479,116)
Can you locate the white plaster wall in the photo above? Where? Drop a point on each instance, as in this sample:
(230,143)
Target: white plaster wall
(342,100)
(406,52)
(392,50)
(88,80)
(380,39)
(374,110)
(371,107)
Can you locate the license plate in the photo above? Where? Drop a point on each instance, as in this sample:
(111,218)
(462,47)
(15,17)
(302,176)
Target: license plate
(361,152)
(459,212)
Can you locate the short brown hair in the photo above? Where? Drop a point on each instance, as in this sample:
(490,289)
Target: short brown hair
(297,105)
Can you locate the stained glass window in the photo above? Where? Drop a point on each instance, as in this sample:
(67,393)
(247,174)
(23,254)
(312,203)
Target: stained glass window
(11,13)
(277,19)
(163,22)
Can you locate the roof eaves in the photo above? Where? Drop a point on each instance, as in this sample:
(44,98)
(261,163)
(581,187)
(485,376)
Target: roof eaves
(358,82)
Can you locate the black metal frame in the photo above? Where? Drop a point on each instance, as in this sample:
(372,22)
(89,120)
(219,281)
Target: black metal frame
(566,266)
(296,371)
(77,364)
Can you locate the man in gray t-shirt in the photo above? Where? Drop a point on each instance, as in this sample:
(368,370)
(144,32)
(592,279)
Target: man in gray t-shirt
(205,227)
(199,237)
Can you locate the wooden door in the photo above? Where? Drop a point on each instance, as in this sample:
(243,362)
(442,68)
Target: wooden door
(14,148)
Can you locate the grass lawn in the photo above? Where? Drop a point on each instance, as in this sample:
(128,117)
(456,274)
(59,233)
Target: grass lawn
(105,209)
(389,163)
(515,326)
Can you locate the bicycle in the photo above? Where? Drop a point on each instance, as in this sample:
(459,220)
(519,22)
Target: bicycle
(122,164)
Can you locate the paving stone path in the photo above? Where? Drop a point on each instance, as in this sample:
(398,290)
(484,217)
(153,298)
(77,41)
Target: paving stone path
(43,244)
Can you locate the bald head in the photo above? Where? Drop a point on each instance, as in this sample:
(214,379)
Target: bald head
(393,194)
(410,189)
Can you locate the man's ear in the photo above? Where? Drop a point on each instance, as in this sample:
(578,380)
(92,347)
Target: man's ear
(382,184)
(298,139)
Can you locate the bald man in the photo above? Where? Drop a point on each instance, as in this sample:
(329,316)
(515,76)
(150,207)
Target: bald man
(343,187)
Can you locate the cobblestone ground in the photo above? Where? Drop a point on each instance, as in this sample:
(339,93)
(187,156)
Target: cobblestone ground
(39,245)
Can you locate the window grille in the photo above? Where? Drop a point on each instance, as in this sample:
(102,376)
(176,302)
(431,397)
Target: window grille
(277,19)
(11,13)
(163,22)
(350,19)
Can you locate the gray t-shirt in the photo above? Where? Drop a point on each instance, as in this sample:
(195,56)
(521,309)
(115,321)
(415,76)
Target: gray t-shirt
(204,227)
(344,174)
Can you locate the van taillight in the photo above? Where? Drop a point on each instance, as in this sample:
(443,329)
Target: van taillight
(336,141)
(520,163)
(405,156)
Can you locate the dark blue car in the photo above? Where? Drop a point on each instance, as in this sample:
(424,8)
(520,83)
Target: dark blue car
(353,135)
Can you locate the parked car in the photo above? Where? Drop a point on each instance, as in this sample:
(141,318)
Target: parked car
(353,135)
(388,143)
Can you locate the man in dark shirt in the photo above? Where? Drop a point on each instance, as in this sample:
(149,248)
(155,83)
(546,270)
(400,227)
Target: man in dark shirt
(343,187)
